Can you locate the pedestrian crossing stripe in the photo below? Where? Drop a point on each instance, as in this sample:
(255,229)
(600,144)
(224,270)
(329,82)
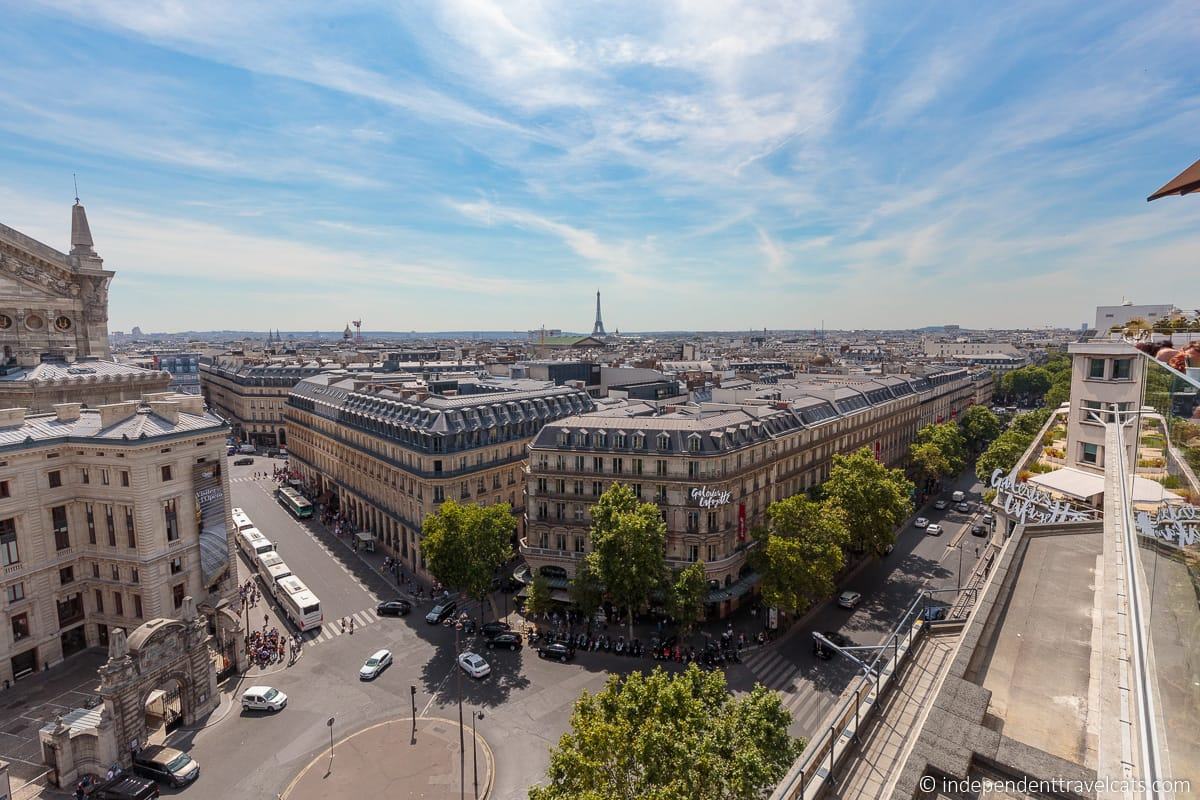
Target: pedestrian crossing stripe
(331,629)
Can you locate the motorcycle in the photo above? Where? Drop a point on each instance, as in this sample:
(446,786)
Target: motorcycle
(619,647)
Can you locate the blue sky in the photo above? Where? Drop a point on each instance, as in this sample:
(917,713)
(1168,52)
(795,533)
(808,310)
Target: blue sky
(467,164)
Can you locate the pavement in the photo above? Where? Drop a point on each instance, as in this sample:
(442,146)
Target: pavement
(397,761)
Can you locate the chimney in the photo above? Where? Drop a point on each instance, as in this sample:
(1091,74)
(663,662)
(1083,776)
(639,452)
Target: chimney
(166,409)
(67,412)
(11,417)
(113,413)
(190,403)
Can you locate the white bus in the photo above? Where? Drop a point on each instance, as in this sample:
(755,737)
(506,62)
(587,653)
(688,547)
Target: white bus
(241,521)
(253,543)
(299,604)
(271,568)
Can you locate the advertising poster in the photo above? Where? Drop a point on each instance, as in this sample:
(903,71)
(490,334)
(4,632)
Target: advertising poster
(210,521)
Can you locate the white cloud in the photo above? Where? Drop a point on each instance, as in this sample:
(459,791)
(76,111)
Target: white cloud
(775,256)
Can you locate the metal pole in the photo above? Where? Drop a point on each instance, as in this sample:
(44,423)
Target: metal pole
(832,747)
(959,577)
(462,753)
(413,691)
(474,754)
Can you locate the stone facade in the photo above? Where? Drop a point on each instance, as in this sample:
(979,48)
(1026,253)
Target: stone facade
(99,527)
(54,326)
(252,397)
(51,302)
(388,455)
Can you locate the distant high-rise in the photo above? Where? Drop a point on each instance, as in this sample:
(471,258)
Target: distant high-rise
(598,328)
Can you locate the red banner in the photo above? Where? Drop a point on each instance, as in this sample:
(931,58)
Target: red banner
(741,522)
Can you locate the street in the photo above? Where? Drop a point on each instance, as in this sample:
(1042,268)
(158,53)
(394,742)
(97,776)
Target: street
(526,701)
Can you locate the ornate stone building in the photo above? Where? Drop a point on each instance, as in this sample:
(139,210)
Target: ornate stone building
(54,325)
(108,517)
(388,451)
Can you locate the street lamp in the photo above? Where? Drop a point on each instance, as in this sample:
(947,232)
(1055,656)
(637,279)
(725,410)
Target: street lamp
(462,753)
(475,750)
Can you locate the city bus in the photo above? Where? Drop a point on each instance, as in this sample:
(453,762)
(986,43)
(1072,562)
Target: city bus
(290,499)
(271,568)
(254,544)
(241,521)
(299,604)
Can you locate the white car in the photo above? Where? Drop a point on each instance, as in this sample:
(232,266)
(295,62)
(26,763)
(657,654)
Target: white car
(940,505)
(377,663)
(934,530)
(263,698)
(849,599)
(474,665)
(920,522)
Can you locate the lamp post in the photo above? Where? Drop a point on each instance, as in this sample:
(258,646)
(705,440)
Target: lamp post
(475,750)
(462,753)
(413,692)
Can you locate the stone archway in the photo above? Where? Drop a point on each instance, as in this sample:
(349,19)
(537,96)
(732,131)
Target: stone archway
(161,652)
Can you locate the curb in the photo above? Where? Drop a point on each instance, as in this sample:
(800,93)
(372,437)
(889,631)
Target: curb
(489,757)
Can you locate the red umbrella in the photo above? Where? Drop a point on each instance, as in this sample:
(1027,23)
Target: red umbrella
(1185,182)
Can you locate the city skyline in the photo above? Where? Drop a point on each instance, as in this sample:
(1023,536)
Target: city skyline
(465,166)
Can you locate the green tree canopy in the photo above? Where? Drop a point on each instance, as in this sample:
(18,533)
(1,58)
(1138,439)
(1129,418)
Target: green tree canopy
(671,737)
(464,544)
(628,546)
(802,552)
(688,592)
(979,427)
(929,460)
(1004,452)
(538,599)
(876,499)
(586,591)
(950,443)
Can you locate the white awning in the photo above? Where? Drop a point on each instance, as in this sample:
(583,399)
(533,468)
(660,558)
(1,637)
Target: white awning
(1088,486)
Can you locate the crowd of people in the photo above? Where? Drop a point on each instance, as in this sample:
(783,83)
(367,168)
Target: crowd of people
(268,646)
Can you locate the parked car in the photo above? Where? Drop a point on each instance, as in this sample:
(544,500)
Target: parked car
(820,650)
(393,608)
(958,497)
(246,448)
(940,504)
(849,599)
(989,518)
(263,698)
(243,462)
(166,765)
(124,787)
(934,530)
(230,450)
(441,612)
(978,530)
(932,613)
(474,665)
(920,522)
(557,651)
(492,629)
(962,508)
(508,639)
(377,663)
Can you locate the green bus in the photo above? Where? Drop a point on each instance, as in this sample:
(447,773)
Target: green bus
(290,499)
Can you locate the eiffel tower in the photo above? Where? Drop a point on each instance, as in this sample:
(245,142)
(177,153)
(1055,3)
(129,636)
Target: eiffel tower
(598,328)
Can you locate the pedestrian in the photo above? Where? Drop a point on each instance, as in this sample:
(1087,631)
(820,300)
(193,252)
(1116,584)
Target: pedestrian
(352,626)
(343,624)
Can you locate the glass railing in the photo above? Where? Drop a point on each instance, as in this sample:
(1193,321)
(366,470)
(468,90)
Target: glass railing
(1165,506)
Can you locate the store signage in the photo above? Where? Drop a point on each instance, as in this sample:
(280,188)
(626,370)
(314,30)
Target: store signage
(1026,503)
(711,498)
(1174,525)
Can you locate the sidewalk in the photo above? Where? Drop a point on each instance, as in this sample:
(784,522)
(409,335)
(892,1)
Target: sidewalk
(387,761)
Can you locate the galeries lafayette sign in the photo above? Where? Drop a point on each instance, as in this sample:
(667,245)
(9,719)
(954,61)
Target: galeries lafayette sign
(711,498)
(1025,503)
(1174,525)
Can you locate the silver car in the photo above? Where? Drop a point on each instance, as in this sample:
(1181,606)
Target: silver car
(377,663)
(849,599)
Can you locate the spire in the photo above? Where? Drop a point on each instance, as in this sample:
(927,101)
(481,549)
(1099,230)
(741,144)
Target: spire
(598,328)
(81,234)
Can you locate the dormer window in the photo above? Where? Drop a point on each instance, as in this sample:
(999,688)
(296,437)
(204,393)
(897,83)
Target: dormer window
(639,441)
(664,442)
(694,443)
(599,439)
(619,441)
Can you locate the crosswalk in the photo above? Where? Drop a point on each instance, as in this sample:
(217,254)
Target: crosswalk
(803,700)
(332,628)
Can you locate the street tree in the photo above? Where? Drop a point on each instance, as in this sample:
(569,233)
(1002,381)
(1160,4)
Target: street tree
(538,599)
(979,427)
(689,590)
(586,591)
(464,544)
(929,461)
(628,543)
(948,438)
(671,737)
(802,552)
(876,499)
